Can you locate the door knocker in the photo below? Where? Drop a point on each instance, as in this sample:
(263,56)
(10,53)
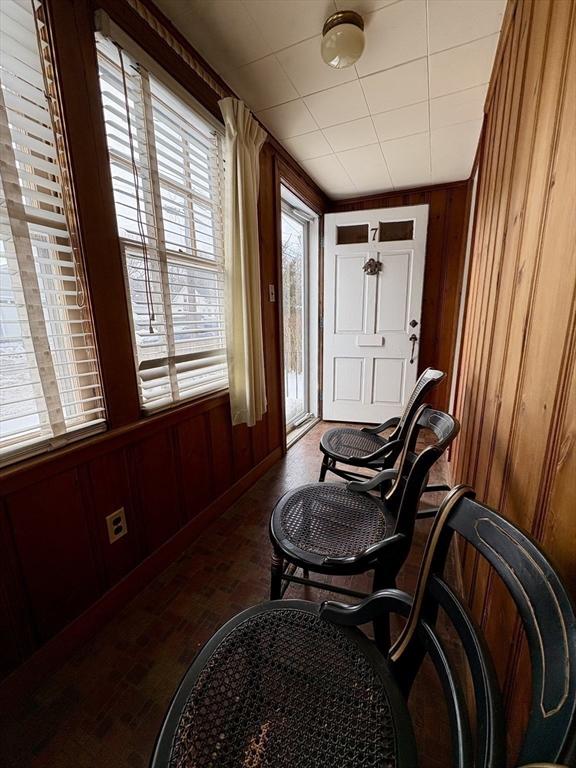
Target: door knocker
(372,267)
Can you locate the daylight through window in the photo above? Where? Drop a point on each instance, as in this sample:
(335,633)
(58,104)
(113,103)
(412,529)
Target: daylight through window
(49,378)
(166,165)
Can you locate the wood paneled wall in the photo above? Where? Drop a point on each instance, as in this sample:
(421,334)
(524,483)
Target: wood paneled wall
(445,252)
(172,472)
(516,396)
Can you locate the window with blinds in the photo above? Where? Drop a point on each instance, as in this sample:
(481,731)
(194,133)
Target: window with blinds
(50,387)
(166,165)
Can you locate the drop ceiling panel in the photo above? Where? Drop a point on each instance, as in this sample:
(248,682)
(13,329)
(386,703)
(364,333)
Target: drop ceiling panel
(402,122)
(265,84)
(452,23)
(308,72)
(394,35)
(286,23)
(408,159)
(288,120)
(366,167)
(459,107)
(398,87)
(308,146)
(357,133)
(337,105)
(408,114)
(462,67)
(453,150)
(329,173)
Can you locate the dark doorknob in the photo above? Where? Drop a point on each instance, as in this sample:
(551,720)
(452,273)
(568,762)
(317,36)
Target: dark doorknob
(413,339)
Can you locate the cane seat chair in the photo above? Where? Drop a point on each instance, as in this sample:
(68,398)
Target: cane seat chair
(366,447)
(290,683)
(346,529)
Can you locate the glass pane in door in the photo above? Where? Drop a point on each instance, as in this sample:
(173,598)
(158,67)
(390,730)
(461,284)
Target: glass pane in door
(294,321)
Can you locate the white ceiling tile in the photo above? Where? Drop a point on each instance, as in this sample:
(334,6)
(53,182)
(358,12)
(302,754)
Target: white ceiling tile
(408,160)
(288,120)
(308,145)
(366,168)
(459,107)
(454,22)
(356,133)
(462,67)
(394,35)
(362,6)
(398,87)
(337,105)
(304,66)
(402,122)
(453,150)
(264,84)
(330,175)
(221,30)
(285,22)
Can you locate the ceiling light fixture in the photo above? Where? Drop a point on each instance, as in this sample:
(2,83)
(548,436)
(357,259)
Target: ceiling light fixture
(342,39)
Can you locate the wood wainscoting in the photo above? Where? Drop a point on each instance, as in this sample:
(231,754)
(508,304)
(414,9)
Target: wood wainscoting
(516,396)
(445,255)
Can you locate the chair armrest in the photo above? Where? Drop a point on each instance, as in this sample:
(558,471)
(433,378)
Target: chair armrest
(422,514)
(391,445)
(385,601)
(393,422)
(435,487)
(369,553)
(361,486)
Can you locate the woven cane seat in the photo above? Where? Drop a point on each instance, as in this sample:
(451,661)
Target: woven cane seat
(284,689)
(329,520)
(343,442)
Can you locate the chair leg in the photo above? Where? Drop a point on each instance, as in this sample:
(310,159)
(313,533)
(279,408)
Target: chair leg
(324,468)
(276,571)
(381,624)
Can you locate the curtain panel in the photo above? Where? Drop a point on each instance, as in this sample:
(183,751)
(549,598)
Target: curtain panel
(247,380)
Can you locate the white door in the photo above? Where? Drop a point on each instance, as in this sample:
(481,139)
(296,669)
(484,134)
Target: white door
(373,278)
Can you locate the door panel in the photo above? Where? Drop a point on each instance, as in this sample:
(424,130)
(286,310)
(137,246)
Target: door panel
(348,379)
(349,304)
(393,299)
(369,368)
(388,381)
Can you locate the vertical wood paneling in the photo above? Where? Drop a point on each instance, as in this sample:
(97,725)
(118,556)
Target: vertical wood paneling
(445,252)
(516,392)
(153,478)
(53,545)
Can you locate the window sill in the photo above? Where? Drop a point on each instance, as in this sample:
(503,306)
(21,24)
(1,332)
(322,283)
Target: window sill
(33,469)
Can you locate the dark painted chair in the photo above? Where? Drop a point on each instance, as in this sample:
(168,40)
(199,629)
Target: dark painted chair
(366,448)
(340,529)
(289,683)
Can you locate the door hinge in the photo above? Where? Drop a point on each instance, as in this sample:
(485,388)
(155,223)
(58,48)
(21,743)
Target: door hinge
(321,323)
(320,395)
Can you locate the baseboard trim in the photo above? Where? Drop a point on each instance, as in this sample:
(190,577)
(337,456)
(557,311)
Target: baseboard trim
(60,647)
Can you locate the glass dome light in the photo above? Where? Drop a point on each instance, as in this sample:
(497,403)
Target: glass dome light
(342,39)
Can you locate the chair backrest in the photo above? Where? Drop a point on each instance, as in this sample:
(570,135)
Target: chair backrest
(549,621)
(415,463)
(427,380)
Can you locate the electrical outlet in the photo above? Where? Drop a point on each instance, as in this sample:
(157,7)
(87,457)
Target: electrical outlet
(116,524)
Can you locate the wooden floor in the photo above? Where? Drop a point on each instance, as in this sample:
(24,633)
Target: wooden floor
(103,708)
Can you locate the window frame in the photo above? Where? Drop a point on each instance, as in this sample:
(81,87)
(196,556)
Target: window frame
(62,263)
(107,30)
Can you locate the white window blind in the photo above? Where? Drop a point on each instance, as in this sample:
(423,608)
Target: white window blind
(166,165)
(50,387)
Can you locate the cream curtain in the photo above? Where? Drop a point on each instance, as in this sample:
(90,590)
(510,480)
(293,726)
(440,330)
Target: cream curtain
(244,139)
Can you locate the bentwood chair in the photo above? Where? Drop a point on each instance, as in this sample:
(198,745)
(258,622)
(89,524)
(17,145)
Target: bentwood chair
(340,529)
(366,447)
(292,684)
